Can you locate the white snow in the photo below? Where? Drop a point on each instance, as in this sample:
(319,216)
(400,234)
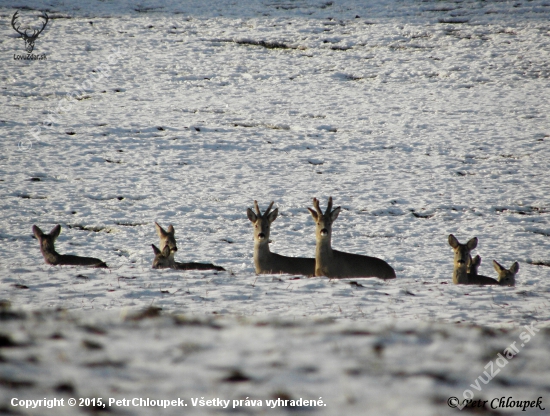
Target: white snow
(420,119)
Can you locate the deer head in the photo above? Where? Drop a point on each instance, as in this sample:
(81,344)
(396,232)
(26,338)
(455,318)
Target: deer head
(29,39)
(262,223)
(323,229)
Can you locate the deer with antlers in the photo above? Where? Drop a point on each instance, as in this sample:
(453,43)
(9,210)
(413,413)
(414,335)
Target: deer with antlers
(29,39)
(338,264)
(266,261)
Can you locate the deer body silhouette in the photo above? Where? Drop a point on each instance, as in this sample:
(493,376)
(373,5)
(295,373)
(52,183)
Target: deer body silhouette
(338,264)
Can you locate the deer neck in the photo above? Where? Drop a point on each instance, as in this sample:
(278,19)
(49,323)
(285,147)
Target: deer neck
(50,255)
(323,257)
(323,250)
(460,275)
(262,255)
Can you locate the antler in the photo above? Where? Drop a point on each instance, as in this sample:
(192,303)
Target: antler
(329,206)
(13,19)
(35,32)
(317,208)
(266,212)
(44,16)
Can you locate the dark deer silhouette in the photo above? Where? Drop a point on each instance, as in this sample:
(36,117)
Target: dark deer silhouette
(29,39)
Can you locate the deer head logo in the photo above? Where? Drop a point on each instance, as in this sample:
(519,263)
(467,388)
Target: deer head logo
(29,39)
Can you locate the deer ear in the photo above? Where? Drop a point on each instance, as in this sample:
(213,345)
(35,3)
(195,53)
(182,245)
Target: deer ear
(476,260)
(515,267)
(313,214)
(251,216)
(155,249)
(472,243)
(497,266)
(334,213)
(166,251)
(170,229)
(273,215)
(453,242)
(55,231)
(37,232)
(159,229)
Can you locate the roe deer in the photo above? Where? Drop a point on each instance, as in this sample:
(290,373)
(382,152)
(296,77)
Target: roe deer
(476,279)
(506,277)
(466,269)
(163,261)
(338,264)
(271,263)
(473,268)
(52,257)
(463,262)
(167,239)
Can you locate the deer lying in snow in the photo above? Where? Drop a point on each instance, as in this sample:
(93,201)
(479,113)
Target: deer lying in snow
(465,271)
(164,257)
(52,257)
(264,260)
(338,264)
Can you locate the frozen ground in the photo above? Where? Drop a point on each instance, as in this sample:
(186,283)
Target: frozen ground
(420,118)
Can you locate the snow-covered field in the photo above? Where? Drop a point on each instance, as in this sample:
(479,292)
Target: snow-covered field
(420,118)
